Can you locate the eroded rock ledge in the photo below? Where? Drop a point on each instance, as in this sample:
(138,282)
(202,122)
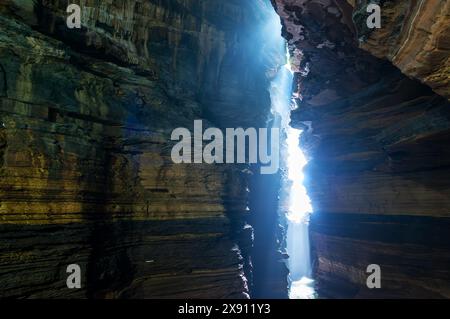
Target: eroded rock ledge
(377,141)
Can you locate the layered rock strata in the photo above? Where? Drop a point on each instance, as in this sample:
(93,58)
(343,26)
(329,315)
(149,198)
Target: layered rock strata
(377,140)
(85,123)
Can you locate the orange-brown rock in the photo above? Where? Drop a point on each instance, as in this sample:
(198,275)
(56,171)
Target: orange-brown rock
(415,37)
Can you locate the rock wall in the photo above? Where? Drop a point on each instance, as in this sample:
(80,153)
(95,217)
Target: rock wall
(85,123)
(377,140)
(414,37)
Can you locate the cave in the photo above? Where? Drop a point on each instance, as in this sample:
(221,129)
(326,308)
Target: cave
(355,117)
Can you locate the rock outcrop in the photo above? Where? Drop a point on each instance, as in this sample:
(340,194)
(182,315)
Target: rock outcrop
(415,37)
(377,141)
(85,126)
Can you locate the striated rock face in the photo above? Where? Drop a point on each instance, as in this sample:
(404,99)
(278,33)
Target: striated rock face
(85,123)
(377,141)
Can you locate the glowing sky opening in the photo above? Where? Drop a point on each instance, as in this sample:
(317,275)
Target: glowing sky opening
(298,205)
(299,202)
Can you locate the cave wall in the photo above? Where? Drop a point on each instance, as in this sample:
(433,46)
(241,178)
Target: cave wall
(376,119)
(414,37)
(85,123)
